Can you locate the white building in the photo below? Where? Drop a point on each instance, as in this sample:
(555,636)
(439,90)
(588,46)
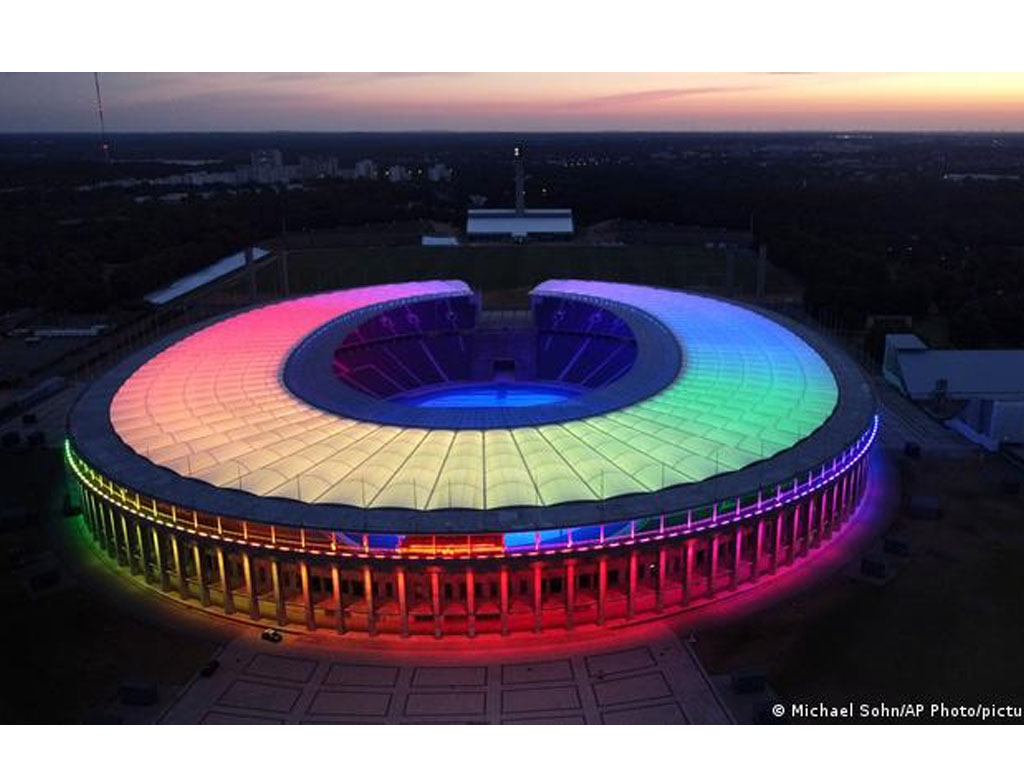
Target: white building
(983,388)
(505,223)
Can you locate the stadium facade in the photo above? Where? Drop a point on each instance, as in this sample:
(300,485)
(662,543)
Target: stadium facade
(381,460)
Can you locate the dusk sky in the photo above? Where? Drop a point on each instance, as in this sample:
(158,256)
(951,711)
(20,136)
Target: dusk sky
(466,101)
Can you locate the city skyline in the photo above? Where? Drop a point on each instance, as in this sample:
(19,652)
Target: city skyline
(429,101)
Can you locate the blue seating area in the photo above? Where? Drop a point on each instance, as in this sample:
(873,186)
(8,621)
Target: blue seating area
(581,344)
(554,315)
(408,347)
(453,315)
(430,343)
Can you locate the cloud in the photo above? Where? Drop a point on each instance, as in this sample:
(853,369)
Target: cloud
(660,94)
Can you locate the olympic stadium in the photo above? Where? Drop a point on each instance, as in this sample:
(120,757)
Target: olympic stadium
(396,459)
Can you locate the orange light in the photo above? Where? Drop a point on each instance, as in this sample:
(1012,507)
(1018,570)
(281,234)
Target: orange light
(453,546)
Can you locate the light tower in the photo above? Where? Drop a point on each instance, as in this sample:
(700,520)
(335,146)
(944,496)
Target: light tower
(520,190)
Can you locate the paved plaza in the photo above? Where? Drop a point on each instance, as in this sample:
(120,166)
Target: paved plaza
(656,681)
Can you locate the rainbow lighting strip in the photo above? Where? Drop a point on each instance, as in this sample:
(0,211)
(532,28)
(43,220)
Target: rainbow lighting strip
(213,407)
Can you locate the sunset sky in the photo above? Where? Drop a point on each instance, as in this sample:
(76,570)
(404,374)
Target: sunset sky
(466,101)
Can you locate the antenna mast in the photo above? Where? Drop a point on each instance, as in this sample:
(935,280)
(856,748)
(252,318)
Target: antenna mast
(103,127)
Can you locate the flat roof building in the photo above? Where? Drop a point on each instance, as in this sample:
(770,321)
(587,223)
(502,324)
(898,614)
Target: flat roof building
(979,391)
(507,222)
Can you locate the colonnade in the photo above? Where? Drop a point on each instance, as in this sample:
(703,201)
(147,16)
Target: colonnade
(499,595)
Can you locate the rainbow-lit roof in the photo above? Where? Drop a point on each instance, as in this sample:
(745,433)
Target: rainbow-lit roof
(213,407)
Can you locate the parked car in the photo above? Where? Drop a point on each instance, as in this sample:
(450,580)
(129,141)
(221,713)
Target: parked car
(272,635)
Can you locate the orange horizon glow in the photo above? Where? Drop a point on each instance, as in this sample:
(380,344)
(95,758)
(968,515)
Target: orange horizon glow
(514,101)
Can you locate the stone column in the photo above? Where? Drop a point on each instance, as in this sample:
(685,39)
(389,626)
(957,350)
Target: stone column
(797,509)
(128,553)
(435,600)
(112,548)
(371,619)
(662,568)
(250,586)
(822,516)
(403,605)
(835,509)
(90,523)
(204,587)
(631,594)
(122,542)
(602,588)
(691,553)
(713,561)
(570,592)
(178,569)
(158,558)
(307,595)
(755,570)
(851,489)
(140,546)
(470,602)
(101,527)
(98,525)
(504,598)
(809,527)
(279,607)
(225,581)
(737,556)
(538,595)
(339,617)
(779,522)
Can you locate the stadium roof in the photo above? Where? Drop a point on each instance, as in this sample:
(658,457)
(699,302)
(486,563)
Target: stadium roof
(212,407)
(202,277)
(505,221)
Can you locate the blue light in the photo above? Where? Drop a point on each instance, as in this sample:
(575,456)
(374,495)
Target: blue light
(505,395)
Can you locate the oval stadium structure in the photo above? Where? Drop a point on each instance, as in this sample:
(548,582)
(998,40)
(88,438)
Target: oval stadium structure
(393,459)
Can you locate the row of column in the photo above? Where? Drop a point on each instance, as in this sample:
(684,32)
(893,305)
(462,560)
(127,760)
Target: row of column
(704,565)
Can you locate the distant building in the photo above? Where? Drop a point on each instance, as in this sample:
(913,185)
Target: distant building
(398,173)
(439,172)
(438,240)
(980,392)
(365,169)
(318,167)
(268,166)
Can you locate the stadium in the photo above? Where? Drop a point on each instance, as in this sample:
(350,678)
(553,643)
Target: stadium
(396,459)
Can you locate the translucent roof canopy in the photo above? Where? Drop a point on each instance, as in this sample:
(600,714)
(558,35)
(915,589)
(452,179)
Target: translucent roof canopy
(213,407)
